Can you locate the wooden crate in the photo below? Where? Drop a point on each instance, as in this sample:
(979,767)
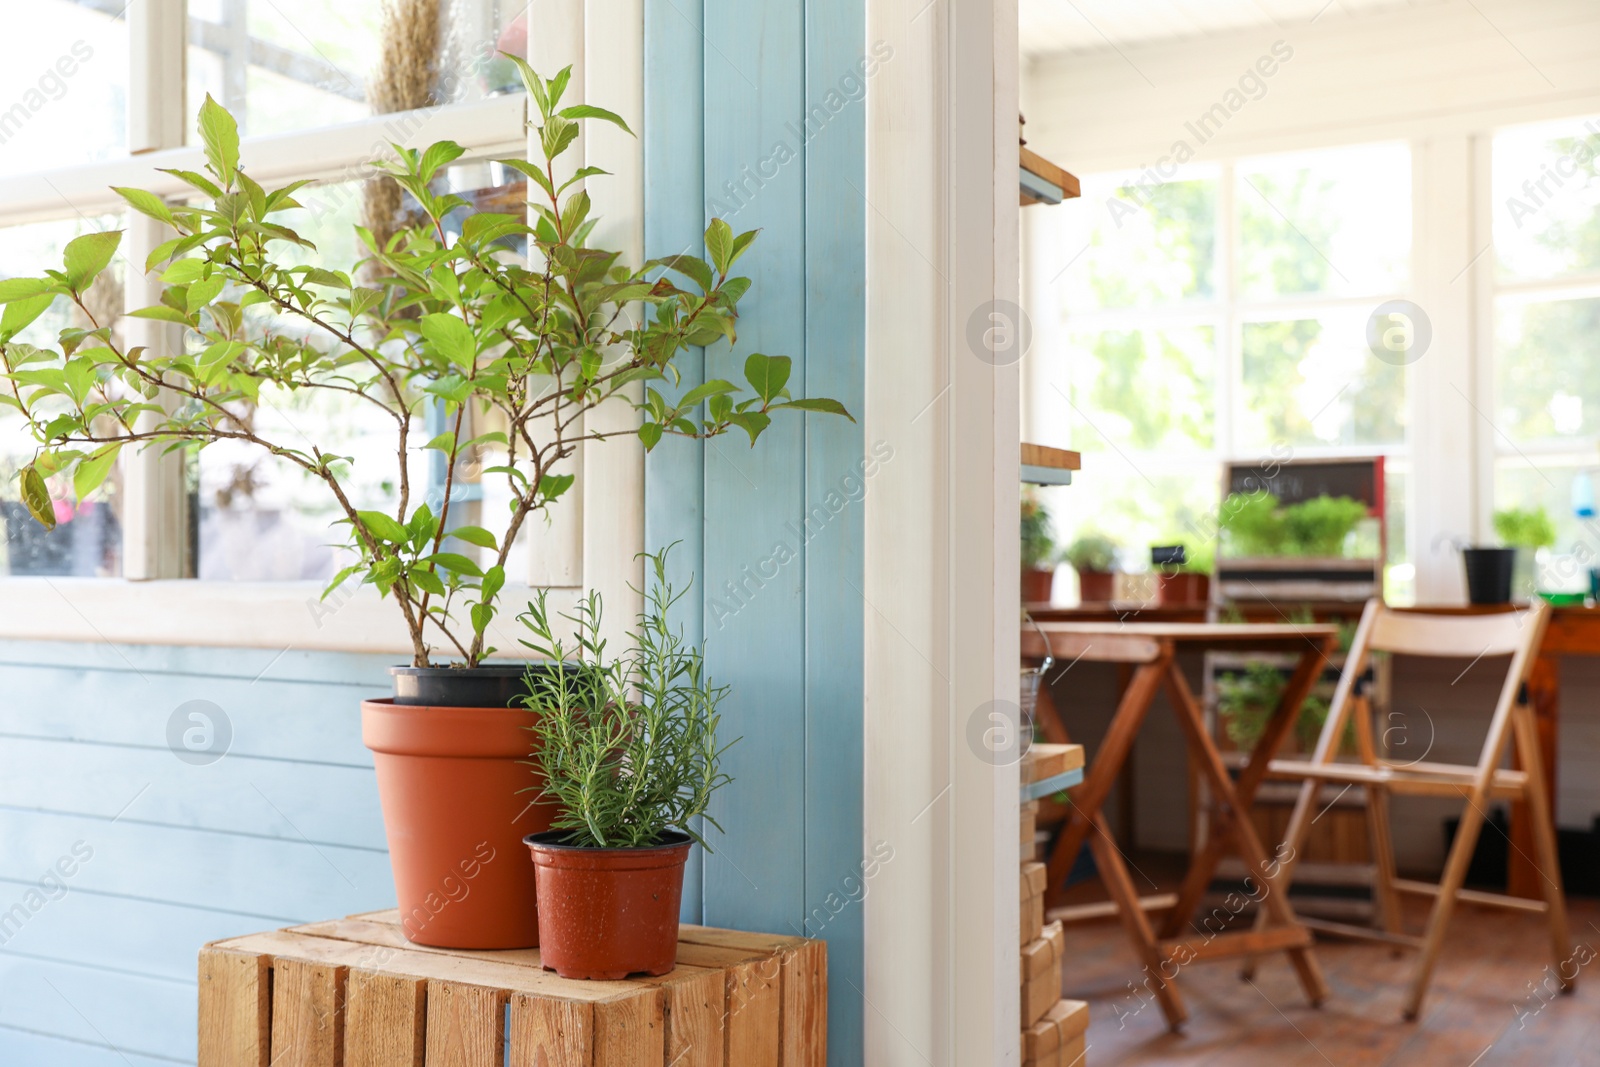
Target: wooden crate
(1057,1040)
(1041,973)
(355,993)
(1032,897)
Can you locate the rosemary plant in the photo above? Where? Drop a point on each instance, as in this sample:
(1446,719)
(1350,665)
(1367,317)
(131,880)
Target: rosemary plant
(627,745)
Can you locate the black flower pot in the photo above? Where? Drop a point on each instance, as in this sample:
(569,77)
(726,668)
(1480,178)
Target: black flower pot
(489,685)
(1489,574)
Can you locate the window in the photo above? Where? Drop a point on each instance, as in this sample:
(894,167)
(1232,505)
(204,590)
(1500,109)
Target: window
(1223,314)
(288,69)
(1546,307)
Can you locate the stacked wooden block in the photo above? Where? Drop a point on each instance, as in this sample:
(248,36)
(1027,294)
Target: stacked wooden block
(1053,1029)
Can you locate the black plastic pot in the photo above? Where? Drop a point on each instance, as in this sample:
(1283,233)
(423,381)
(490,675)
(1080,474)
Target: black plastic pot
(489,685)
(1489,574)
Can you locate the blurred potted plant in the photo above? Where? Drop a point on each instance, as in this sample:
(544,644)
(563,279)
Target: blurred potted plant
(627,751)
(1094,557)
(451,323)
(1039,552)
(1183,577)
(1491,569)
(1318,527)
(1252,525)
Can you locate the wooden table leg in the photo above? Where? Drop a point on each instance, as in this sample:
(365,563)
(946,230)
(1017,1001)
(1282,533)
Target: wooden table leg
(1262,867)
(1090,795)
(1159,972)
(1219,837)
(1544,693)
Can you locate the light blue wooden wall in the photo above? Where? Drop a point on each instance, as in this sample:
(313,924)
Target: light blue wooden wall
(729,87)
(284,829)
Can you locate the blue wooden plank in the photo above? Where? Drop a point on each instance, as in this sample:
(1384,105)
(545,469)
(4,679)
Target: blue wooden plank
(755,625)
(674,177)
(25,1048)
(195,867)
(122,933)
(367,671)
(154,1016)
(838,476)
(243,794)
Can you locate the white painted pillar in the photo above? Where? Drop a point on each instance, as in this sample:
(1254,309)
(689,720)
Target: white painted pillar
(1448,255)
(941,540)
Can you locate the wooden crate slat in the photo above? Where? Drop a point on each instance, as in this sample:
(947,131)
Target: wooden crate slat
(755,1010)
(545,1032)
(466,1025)
(631,1031)
(805,1006)
(384,1019)
(354,993)
(695,1011)
(307,1014)
(234,1004)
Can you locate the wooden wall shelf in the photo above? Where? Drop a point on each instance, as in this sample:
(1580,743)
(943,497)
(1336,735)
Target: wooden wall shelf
(1043,182)
(1043,465)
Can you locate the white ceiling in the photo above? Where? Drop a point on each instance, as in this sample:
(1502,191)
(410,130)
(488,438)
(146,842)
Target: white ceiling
(1054,26)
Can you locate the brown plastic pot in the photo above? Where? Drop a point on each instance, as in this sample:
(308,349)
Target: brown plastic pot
(1096,587)
(1183,588)
(455,787)
(608,912)
(1037,585)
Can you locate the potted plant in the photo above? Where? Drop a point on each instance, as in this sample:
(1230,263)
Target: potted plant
(628,754)
(1252,525)
(1038,552)
(1183,576)
(508,356)
(1093,556)
(1319,526)
(1490,570)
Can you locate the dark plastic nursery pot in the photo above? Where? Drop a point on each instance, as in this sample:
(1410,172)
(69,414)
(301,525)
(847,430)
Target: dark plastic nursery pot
(607,913)
(1489,574)
(489,685)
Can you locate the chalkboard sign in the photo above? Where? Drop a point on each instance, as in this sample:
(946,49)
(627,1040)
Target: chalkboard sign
(1294,480)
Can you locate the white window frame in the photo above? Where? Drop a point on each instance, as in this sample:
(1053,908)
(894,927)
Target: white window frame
(1228,314)
(152,603)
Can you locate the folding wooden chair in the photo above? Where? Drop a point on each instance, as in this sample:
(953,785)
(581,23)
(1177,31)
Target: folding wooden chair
(1516,634)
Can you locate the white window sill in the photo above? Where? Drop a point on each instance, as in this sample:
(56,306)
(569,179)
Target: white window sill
(277,615)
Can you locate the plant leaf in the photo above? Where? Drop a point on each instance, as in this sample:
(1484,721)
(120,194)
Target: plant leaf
(220,135)
(19,313)
(86,256)
(451,337)
(815,403)
(382,526)
(767,375)
(145,203)
(36,495)
(589,111)
(92,470)
(455,561)
(475,535)
(719,244)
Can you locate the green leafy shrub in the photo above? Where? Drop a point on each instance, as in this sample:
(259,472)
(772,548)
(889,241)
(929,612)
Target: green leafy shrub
(1318,527)
(1525,527)
(1252,524)
(448,323)
(1092,554)
(1038,541)
(1246,700)
(627,745)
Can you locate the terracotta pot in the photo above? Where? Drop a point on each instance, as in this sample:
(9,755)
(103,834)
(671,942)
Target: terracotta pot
(608,912)
(1037,585)
(1096,587)
(1183,588)
(455,787)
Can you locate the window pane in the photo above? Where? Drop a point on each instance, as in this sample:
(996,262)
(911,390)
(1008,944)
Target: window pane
(87,540)
(64,85)
(1314,382)
(1139,501)
(264,519)
(1136,246)
(282,65)
(1547,481)
(1547,352)
(1547,199)
(1335,222)
(1143,389)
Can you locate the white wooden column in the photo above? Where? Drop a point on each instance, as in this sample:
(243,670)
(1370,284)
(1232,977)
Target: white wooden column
(941,537)
(155,538)
(1445,430)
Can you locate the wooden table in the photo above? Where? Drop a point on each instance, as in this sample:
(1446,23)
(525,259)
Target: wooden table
(1151,650)
(355,992)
